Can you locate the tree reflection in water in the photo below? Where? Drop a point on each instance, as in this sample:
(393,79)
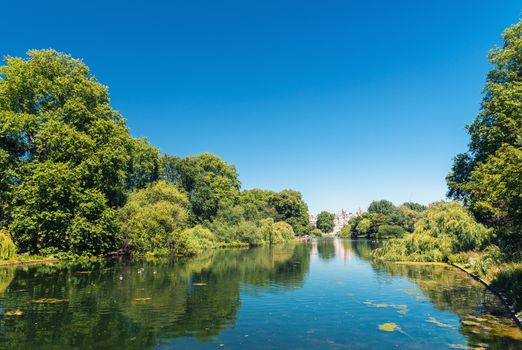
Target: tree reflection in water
(130,305)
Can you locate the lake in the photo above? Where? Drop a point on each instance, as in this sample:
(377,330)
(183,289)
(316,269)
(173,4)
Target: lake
(325,294)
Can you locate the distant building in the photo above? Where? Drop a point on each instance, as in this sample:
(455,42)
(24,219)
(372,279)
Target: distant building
(340,219)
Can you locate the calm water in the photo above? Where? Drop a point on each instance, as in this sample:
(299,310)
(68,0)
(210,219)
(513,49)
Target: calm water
(322,295)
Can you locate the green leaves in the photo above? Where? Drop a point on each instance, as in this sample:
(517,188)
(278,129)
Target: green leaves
(325,222)
(67,157)
(487,177)
(151,217)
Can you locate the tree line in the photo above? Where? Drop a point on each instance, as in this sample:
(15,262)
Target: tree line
(482,229)
(74,181)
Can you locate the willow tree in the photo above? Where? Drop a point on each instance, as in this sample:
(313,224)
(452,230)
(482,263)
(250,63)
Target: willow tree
(488,177)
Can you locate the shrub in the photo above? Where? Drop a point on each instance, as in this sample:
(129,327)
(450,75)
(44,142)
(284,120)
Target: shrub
(446,228)
(316,233)
(151,215)
(192,241)
(281,232)
(248,232)
(509,280)
(7,247)
(390,231)
(346,231)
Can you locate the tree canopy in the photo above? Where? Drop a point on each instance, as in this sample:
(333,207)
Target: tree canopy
(325,222)
(487,177)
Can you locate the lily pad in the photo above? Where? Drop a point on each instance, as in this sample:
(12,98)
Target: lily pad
(388,327)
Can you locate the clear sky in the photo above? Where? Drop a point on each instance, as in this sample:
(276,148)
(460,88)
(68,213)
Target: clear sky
(345,101)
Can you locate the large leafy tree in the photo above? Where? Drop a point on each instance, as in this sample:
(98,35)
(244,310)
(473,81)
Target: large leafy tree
(487,176)
(290,207)
(209,181)
(65,155)
(325,222)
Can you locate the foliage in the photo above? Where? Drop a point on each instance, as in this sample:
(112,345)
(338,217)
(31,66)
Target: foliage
(325,222)
(208,180)
(346,231)
(66,156)
(488,177)
(363,226)
(290,207)
(74,182)
(509,280)
(316,233)
(381,207)
(193,241)
(390,231)
(150,217)
(281,232)
(446,228)
(381,213)
(7,247)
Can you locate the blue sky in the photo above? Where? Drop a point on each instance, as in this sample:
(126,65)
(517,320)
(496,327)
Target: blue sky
(345,101)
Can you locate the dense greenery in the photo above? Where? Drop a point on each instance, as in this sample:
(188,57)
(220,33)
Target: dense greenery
(73,180)
(325,222)
(7,247)
(151,216)
(488,177)
(384,220)
(444,229)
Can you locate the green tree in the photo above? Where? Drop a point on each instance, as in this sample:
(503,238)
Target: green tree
(495,139)
(290,207)
(151,217)
(65,155)
(325,222)
(363,227)
(445,228)
(381,207)
(208,180)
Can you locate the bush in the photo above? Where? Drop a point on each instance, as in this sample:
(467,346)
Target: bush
(281,232)
(346,231)
(7,247)
(151,215)
(445,229)
(390,231)
(316,233)
(193,241)
(509,281)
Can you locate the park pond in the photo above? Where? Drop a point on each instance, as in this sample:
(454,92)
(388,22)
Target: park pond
(324,294)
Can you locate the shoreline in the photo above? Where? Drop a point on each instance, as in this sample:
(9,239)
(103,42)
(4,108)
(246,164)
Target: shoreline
(498,293)
(28,262)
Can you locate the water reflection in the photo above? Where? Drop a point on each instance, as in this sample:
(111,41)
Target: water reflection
(328,293)
(131,305)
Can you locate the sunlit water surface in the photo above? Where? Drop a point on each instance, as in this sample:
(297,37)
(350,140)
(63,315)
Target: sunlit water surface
(326,294)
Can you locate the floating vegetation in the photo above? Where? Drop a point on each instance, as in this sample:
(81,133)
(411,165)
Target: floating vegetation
(459,346)
(141,299)
(437,322)
(401,308)
(16,313)
(48,301)
(492,325)
(388,327)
